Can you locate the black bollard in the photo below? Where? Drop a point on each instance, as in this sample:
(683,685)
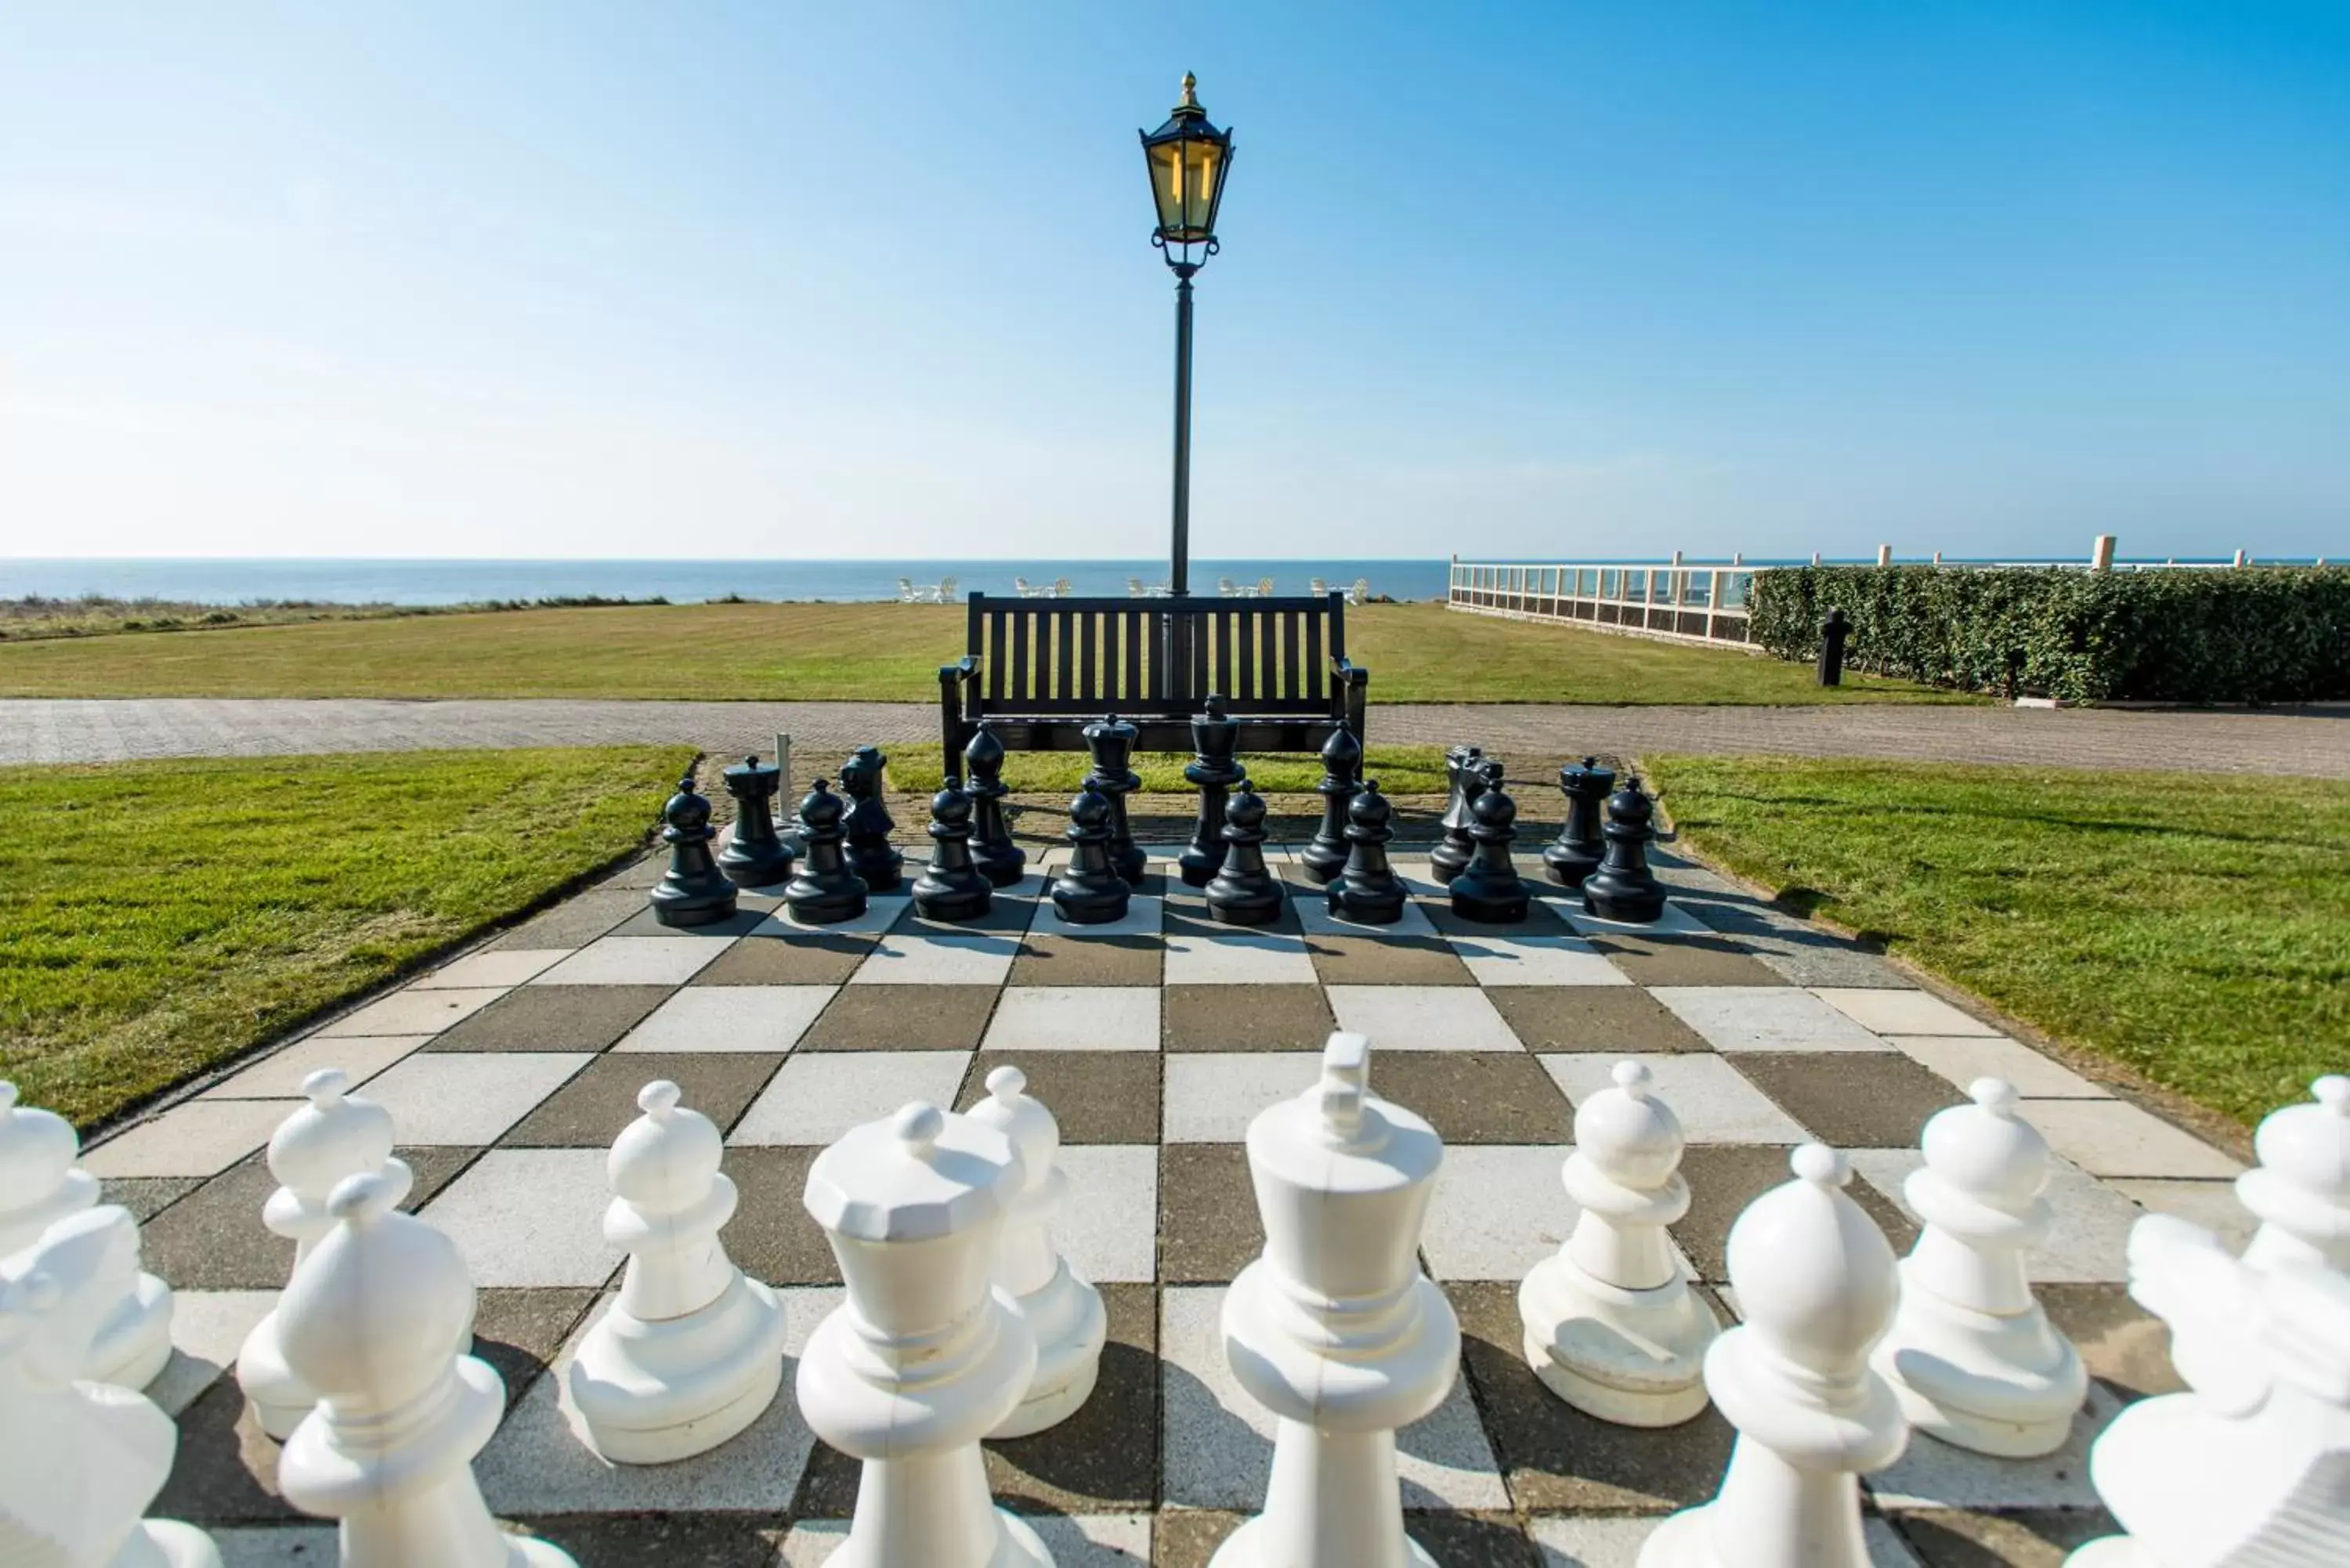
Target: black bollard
(1111,742)
(1342,772)
(1213,770)
(1574,853)
(692,892)
(999,860)
(1834,632)
(755,856)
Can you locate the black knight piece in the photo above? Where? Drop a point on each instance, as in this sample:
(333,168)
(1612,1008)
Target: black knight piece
(826,892)
(754,855)
(1342,775)
(1111,742)
(1574,853)
(999,860)
(952,889)
(1243,892)
(1624,888)
(692,892)
(1488,890)
(1089,891)
(1368,891)
(867,829)
(1449,859)
(1215,771)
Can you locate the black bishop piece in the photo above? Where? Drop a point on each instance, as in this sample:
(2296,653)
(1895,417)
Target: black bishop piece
(1450,857)
(953,888)
(826,892)
(1342,775)
(1488,890)
(1243,892)
(1368,891)
(869,852)
(754,855)
(1089,891)
(692,892)
(1574,853)
(999,860)
(1624,888)
(1214,770)
(1111,742)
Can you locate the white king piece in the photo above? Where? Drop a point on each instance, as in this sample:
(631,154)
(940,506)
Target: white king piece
(1335,1329)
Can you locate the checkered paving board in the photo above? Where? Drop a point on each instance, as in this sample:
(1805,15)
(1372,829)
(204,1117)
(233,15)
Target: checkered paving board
(1154,1041)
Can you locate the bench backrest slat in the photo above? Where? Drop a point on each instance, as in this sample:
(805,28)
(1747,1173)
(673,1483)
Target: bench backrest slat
(1111,655)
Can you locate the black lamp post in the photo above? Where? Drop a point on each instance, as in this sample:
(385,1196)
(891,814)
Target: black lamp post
(1189,159)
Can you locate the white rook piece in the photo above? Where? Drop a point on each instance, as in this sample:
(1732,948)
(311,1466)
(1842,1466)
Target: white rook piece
(693,1351)
(373,1320)
(1611,1326)
(1971,1356)
(1815,1281)
(2301,1189)
(926,1356)
(1335,1329)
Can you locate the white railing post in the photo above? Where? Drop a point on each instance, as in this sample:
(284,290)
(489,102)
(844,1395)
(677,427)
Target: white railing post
(2101,553)
(1885,555)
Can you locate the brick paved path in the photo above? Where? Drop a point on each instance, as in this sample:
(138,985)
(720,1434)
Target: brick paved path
(2313,741)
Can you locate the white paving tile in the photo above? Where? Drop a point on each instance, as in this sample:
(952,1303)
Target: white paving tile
(201,1138)
(1074,1540)
(1675,920)
(1109,1227)
(1764,1018)
(1535,959)
(635,961)
(492,966)
(2091,1222)
(1710,1097)
(1963,1058)
(1595,1540)
(817,1096)
(1907,1012)
(1075,1018)
(529,1217)
(1422,1017)
(468,1098)
(1469,1236)
(1211,1094)
(279,1076)
(208,1329)
(730,1018)
(880,913)
(1237,955)
(414,1012)
(2111,1138)
(1145,913)
(2210,1204)
(902,959)
(1931,1474)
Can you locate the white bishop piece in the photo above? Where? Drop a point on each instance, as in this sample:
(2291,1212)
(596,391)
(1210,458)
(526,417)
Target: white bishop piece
(1816,1281)
(1062,1312)
(1971,1356)
(1335,1329)
(40,1185)
(373,1320)
(2301,1189)
(925,1357)
(693,1350)
(79,1462)
(337,1134)
(1611,1326)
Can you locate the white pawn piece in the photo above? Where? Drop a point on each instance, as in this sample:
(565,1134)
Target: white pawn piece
(1816,1281)
(337,1134)
(80,1461)
(2301,1189)
(373,1320)
(1970,1355)
(693,1350)
(1611,1326)
(1334,1328)
(925,1357)
(1064,1313)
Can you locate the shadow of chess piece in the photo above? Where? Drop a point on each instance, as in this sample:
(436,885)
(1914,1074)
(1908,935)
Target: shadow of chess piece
(754,855)
(1489,890)
(1243,892)
(953,888)
(1214,770)
(1624,888)
(692,892)
(826,892)
(1089,891)
(1111,743)
(999,860)
(1450,857)
(870,855)
(1342,775)
(1368,891)
(1575,854)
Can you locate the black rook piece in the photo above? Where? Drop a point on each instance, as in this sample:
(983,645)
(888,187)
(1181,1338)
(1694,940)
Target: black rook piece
(1489,890)
(1089,891)
(1212,769)
(1574,853)
(1111,742)
(1243,892)
(869,826)
(999,859)
(952,889)
(692,892)
(1367,891)
(1624,888)
(1448,859)
(1342,775)
(827,891)
(755,856)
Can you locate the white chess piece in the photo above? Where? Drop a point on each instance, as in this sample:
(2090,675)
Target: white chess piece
(373,1320)
(1611,1324)
(80,1461)
(337,1134)
(1064,1313)
(1334,1328)
(1816,1281)
(693,1351)
(2301,1189)
(1970,1355)
(926,1356)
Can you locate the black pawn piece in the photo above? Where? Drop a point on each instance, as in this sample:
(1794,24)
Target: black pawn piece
(1624,888)
(999,860)
(952,889)
(1342,775)
(1450,858)
(826,892)
(692,892)
(1574,853)
(1111,742)
(1368,891)
(1243,892)
(1215,771)
(1089,891)
(1488,890)
(867,829)
(754,855)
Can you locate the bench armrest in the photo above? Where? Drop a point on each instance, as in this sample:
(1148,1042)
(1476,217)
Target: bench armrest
(963,670)
(1347,673)
(952,679)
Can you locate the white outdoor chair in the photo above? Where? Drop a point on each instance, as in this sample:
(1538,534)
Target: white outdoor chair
(1316,586)
(1265,587)
(1135,590)
(1360,592)
(1020,585)
(1060,587)
(946,591)
(1224,586)
(907,594)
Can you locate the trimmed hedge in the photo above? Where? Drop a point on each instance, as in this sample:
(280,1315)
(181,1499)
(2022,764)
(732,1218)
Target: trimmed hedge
(2246,635)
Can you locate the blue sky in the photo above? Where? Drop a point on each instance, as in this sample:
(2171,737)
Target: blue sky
(1545,280)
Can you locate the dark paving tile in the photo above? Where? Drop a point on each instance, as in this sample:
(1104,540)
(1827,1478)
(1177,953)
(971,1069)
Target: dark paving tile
(213,1239)
(1187,915)
(641,874)
(1244,1018)
(1387,961)
(1187,1537)
(1685,960)
(554,1018)
(772,1236)
(1541,920)
(1851,1099)
(671,1540)
(1207,1228)
(1585,1018)
(902,1018)
(147,1196)
(576,922)
(1105,1457)
(225,1471)
(433,1168)
(1097,1097)
(2120,1341)
(1005,917)
(519,1331)
(1051,957)
(802,958)
(1476,1097)
(1724,1178)
(746,919)
(1473,1539)
(589,1111)
(2033,1538)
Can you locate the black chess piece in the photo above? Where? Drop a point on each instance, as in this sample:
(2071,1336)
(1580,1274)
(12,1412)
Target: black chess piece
(999,860)
(1111,742)
(755,856)
(1089,891)
(1243,892)
(1214,770)
(1368,891)
(1624,888)
(1450,857)
(870,855)
(1488,890)
(952,889)
(826,892)
(692,892)
(1342,775)
(1574,853)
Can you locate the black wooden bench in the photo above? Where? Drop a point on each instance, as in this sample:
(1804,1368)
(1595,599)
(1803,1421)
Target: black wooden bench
(1039,670)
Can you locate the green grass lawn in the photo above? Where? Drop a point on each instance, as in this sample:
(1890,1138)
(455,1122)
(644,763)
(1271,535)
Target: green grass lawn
(158,918)
(2197,930)
(1416,653)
